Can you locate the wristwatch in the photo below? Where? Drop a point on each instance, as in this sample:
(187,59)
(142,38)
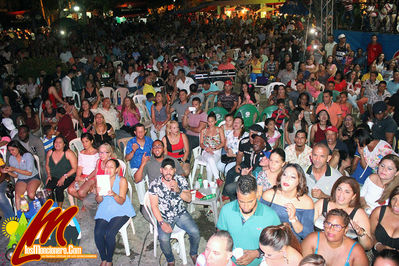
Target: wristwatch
(161,223)
(261,253)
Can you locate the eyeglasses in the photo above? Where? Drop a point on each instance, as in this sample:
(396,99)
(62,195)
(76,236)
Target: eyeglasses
(103,152)
(335,227)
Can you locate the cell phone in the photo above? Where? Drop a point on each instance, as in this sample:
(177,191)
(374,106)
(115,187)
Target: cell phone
(192,109)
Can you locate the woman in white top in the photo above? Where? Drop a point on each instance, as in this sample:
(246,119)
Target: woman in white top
(86,165)
(233,138)
(371,192)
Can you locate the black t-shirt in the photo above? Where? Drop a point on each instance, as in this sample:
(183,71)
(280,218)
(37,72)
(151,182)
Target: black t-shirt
(245,147)
(380,127)
(394,101)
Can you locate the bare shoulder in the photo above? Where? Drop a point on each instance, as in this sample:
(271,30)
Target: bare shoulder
(305,202)
(268,195)
(294,255)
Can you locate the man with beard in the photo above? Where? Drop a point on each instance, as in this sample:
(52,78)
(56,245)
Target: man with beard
(167,195)
(253,152)
(245,218)
(299,152)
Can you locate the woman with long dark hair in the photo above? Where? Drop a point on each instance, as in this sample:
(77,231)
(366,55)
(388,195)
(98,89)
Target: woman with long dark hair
(22,167)
(318,131)
(295,122)
(247,95)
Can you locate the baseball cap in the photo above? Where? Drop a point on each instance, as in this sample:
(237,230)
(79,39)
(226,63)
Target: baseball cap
(332,128)
(341,36)
(379,107)
(260,134)
(228,82)
(168,161)
(256,127)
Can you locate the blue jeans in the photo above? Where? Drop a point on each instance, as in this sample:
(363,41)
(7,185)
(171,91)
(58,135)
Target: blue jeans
(254,76)
(5,205)
(185,222)
(104,236)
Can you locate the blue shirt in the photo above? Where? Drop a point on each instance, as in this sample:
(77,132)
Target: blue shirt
(245,233)
(27,164)
(148,105)
(135,162)
(392,87)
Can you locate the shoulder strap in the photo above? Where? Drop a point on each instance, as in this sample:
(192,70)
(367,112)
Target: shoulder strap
(271,202)
(353,213)
(168,144)
(318,240)
(349,255)
(382,212)
(325,207)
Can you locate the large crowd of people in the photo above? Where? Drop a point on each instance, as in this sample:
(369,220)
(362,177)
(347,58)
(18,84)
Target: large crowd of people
(312,181)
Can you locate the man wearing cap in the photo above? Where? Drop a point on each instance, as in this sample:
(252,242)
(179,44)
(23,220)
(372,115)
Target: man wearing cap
(340,51)
(384,126)
(377,95)
(183,82)
(332,140)
(333,109)
(167,196)
(228,99)
(250,166)
(320,177)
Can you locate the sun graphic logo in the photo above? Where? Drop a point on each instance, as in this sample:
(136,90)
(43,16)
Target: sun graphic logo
(9,226)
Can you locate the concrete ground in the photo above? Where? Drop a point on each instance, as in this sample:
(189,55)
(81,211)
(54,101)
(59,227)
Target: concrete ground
(140,243)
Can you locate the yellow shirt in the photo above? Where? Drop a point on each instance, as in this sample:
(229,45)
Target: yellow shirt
(256,68)
(367,76)
(148,88)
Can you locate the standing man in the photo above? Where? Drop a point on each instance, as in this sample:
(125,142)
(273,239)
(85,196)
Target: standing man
(329,46)
(333,109)
(66,84)
(320,177)
(374,49)
(131,78)
(136,148)
(299,152)
(167,196)
(340,51)
(245,218)
(228,99)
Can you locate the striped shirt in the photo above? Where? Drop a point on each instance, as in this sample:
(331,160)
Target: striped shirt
(48,143)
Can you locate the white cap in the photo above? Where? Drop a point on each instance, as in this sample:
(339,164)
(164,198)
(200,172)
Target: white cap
(341,36)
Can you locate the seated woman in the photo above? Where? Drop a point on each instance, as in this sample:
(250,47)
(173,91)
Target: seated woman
(332,244)
(384,224)
(279,246)
(272,133)
(87,161)
(290,200)
(212,140)
(247,95)
(346,132)
(31,119)
(90,93)
(65,125)
(387,172)
(61,165)
(114,210)
(130,114)
(318,131)
(49,114)
(345,195)
(102,131)
(233,138)
(22,167)
(160,116)
(271,169)
(368,154)
(295,122)
(86,117)
(176,144)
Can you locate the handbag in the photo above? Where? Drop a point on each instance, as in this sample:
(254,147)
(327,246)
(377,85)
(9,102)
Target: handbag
(226,159)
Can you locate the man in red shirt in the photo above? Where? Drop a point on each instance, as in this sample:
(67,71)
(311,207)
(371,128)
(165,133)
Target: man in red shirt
(374,49)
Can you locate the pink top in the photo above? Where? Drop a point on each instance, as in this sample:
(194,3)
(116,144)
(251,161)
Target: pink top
(129,119)
(194,121)
(312,89)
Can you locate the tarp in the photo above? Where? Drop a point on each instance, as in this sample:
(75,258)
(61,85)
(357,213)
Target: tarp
(294,7)
(358,39)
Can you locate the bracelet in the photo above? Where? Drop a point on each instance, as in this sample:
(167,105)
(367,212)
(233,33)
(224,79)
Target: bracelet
(293,220)
(363,234)
(375,246)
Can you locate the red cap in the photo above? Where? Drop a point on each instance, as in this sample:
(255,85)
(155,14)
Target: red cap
(332,128)
(202,60)
(228,82)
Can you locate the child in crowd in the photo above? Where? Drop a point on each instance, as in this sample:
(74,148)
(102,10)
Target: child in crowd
(346,107)
(272,134)
(280,114)
(49,135)
(150,101)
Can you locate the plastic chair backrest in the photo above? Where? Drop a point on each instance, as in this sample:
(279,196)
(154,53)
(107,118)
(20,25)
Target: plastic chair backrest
(210,102)
(249,113)
(220,84)
(107,92)
(139,99)
(76,144)
(119,95)
(270,88)
(268,111)
(76,98)
(37,163)
(335,95)
(220,112)
(123,165)
(76,126)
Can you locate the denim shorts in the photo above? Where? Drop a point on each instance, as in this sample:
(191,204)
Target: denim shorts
(29,179)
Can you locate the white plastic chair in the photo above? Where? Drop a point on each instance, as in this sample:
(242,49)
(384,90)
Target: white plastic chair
(76,126)
(123,230)
(177,232)
(140,187)
(76,145)
(145,117)
(120,93)
(220,84)
(139,99)
(197,162)
(76,97)
(309,130)
(270,88)
(107,92)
